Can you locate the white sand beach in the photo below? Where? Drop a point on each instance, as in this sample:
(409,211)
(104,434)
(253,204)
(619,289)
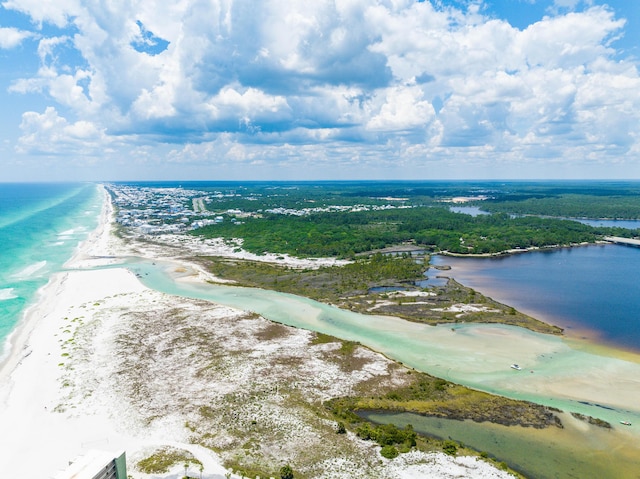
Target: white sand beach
(60,395)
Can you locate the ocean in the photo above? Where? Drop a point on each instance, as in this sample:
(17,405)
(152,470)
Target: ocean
(41,226)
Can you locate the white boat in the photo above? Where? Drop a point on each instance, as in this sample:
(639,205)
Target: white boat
(516,367)
(626,423)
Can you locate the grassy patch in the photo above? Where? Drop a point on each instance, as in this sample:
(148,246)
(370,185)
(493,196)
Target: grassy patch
(324,284)
(321,338)
(164,459)
(272,331)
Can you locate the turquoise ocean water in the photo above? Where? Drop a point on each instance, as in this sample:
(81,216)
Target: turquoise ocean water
(41,226)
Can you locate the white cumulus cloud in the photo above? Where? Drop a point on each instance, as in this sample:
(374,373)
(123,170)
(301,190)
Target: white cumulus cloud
(48,132)
(258,80)
(11,37)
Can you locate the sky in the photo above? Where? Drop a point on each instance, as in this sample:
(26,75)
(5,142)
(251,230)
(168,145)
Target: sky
(96,90)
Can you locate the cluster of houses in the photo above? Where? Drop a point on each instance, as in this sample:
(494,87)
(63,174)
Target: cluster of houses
(161,210)
(155,210)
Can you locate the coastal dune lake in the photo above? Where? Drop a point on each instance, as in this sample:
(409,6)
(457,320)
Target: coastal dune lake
(591,291)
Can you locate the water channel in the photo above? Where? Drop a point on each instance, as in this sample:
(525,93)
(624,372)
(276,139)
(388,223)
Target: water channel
(571,375)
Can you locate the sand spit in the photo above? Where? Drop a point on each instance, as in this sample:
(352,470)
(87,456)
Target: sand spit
(101,362)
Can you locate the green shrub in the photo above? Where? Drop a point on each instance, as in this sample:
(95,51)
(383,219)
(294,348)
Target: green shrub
(440,384)
(450,447)
(286,472)
(389,452)
(365,432)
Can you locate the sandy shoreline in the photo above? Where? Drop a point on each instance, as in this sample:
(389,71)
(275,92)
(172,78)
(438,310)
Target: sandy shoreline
(57,406)
(45,424)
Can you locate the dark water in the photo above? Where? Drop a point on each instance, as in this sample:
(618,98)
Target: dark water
(468,210)
(434,278)
(386,289)
(591,291)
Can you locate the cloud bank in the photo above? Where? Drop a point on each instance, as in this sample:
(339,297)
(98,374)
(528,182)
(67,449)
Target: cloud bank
(239,89)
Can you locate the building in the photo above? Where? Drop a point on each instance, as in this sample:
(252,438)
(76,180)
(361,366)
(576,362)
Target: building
(96,465)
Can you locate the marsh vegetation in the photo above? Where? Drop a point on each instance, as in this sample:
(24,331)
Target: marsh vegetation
(378,284)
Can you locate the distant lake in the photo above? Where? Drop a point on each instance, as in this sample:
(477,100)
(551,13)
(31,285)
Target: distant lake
(628,224)
(468,210)
(591,291)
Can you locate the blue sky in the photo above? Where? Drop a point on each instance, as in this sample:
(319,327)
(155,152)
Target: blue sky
(343,89)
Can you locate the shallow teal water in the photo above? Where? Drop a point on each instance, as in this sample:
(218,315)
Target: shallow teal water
(437,350)
(41,225)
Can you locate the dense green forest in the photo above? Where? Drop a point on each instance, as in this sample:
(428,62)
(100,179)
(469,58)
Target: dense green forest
(434,228)
(569,199)
(574,199)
